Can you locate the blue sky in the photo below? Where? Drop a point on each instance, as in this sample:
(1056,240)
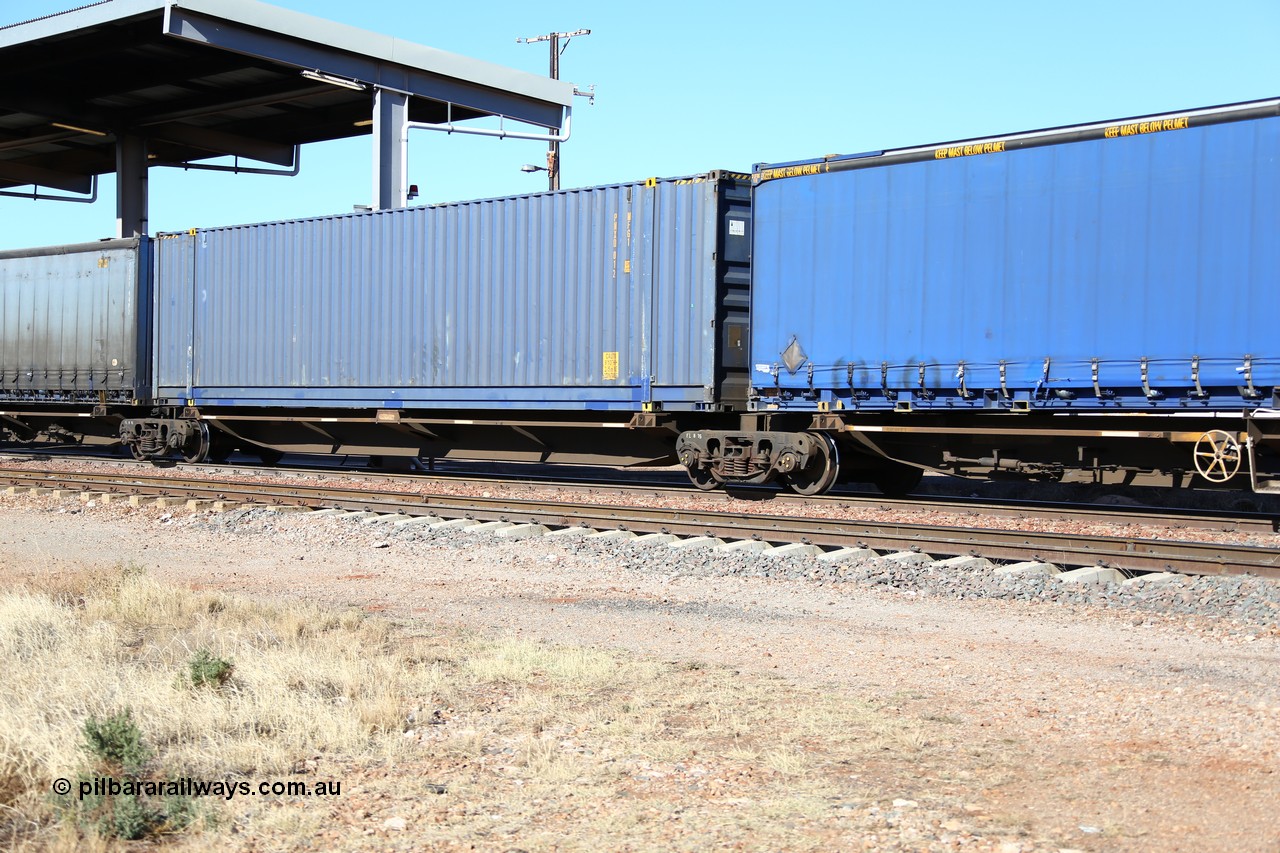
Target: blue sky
(686,87)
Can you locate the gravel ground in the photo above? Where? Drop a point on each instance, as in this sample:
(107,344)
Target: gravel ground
(1059,717)
(1240,605)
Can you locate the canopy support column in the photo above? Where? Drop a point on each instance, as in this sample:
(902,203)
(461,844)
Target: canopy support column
(390,149)
(131,186)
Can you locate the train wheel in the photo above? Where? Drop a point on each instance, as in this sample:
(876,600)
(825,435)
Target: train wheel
(1217,456)
(135,450)
(197,449)
(820,475)
(702,478)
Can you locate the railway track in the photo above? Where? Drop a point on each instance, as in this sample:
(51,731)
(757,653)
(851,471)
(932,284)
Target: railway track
(1134,554)
(590,487)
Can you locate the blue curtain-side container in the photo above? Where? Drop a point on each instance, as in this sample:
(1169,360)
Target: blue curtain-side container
(1134,263)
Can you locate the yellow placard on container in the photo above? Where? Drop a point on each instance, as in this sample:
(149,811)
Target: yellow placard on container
(611,365)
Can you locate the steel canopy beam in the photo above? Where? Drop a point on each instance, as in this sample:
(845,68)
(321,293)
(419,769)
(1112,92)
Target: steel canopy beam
(55,109)
(215,142)
(20,174)
(283,37)
(218,142)
(55,135)
(210,105)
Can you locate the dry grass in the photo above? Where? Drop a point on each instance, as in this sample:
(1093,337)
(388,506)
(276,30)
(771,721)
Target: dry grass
(539,744)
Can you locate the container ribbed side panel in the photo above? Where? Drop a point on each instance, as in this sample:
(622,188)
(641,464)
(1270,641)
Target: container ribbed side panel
(541,301)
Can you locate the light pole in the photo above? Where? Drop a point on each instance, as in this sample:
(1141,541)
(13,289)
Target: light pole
(553,154)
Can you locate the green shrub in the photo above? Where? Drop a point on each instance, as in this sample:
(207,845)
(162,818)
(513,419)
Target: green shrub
(182,812)
(126,817)
(120,756)
(116,742)
(205,670)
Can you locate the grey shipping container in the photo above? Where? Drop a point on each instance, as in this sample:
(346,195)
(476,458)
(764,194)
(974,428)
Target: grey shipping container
(601,298)
(76,323)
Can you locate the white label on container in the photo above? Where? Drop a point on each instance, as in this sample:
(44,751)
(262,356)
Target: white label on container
(764,368)
(737,228)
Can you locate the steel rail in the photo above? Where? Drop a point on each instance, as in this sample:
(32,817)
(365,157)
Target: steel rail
(1171,517)
(1126,553)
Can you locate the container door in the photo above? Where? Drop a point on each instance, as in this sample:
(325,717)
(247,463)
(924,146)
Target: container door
(684,230)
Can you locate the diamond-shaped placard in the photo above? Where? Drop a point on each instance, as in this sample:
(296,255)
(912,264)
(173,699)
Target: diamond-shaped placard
(793,356)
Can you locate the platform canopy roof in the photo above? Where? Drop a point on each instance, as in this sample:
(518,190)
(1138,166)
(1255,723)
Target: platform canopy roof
(196,79)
